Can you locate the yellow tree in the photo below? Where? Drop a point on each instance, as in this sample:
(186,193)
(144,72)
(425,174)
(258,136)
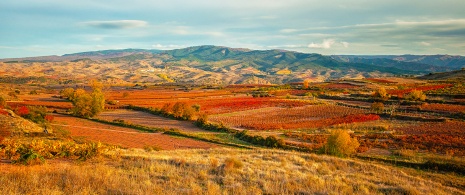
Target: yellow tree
(98,98)
(306,84)
(88,105)
(341,144)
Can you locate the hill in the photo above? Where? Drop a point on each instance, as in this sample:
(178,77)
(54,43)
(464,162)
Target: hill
(219,65)
(458,74)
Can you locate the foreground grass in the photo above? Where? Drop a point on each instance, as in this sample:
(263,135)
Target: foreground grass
(216,171)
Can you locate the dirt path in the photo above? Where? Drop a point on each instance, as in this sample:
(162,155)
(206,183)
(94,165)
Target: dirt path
(124,137)
(149,120)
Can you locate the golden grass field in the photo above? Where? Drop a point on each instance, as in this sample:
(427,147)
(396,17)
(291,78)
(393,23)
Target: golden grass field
(219,171)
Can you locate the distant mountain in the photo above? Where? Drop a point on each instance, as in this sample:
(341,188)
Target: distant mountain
(94,55)
(273,60)
(105,54)
(446,61)
(222,65)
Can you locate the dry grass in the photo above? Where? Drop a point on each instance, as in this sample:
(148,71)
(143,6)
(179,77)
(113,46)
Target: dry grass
(215,171)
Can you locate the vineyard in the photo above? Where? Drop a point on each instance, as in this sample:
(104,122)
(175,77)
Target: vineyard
(305,117)
(402,92)
(444,108)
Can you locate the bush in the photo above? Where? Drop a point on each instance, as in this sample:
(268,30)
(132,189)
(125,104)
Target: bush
(381,94)
(2,102)
(230,163)
(416,95)
(377,107)
(341,144)
(37,151)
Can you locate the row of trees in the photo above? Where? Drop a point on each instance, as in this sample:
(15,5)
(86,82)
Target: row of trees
(86,104)
(415,95)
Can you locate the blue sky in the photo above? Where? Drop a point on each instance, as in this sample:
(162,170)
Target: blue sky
(56,27)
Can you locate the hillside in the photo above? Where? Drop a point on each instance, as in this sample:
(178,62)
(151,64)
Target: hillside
(458,74)
(220,171)
(215,65)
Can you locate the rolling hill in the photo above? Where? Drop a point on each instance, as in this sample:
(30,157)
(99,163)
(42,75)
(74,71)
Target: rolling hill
(221,65)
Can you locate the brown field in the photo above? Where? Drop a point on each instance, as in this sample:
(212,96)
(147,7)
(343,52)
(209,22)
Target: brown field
(149,120)
(124,137)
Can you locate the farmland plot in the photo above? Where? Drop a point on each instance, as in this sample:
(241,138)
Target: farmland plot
(124,137)
(148,120)
(313,116)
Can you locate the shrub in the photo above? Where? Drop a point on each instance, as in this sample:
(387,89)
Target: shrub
(341,144)
(377,107)
(381,94)
(22,111)
(230,163)
(2,102)
(416,95)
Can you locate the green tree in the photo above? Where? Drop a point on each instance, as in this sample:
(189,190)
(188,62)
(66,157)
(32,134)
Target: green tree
(341,144)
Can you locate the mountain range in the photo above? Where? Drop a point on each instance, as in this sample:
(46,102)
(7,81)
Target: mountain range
(223,65)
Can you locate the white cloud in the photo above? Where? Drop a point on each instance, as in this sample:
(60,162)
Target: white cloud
(326,44)
(425,43)
(115,24)
(167,47)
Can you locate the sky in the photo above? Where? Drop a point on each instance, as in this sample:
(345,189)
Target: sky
(365,27)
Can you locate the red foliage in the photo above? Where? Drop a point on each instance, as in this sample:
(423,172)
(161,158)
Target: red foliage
(438,137)
(314,116)
(22,111)
(401,92)
(3,112)
(49,118)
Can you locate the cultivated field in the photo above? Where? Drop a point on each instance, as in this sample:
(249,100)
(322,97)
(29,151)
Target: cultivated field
(124,137)
(149,120)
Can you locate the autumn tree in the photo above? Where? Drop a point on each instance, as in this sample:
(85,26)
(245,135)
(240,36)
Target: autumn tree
(306,84)
(88,104)
(416,95)
(381,94)
(341,144)
(67,93)
(2,102)
(377,107)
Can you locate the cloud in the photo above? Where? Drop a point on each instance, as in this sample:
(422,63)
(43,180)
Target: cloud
(167,47)
(115,24)
(326,44)
(425,43)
